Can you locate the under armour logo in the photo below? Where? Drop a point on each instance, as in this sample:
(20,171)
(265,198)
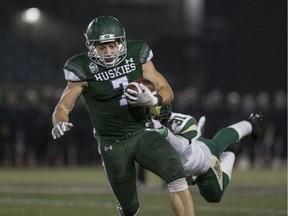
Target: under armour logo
(127,61)
(108,148)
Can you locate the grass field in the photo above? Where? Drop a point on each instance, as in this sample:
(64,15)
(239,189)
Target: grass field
(84,192)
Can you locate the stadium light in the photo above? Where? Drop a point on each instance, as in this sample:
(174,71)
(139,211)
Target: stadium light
(31,15)
(194,13)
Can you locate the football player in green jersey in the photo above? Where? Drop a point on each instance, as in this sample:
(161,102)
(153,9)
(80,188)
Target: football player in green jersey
(207,162)
(101,76)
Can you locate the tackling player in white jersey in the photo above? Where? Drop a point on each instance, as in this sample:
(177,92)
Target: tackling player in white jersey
(207,162)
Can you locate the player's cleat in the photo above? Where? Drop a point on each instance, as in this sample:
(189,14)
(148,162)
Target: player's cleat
(236,148)
(256,120)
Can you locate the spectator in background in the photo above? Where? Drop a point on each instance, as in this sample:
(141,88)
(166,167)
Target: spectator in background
(263,103)
(213,109)
(248,105)
(279,111)
(8,127)
(30,110)
(232,107)
(188,101)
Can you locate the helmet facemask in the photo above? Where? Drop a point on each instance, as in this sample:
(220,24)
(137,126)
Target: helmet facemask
(107,60)
(104,30)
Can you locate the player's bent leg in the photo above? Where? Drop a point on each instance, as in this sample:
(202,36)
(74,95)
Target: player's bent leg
(227,160)
(181,198)
(225,137)
(157,155)
(210,186)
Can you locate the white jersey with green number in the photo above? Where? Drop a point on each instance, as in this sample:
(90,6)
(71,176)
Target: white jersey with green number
(194,154)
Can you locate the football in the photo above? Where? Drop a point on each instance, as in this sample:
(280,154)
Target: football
(135,85)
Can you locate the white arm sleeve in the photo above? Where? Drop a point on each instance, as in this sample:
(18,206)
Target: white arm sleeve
(179,143)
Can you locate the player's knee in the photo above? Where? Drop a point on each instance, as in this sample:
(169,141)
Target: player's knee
(131,211)
(173,170)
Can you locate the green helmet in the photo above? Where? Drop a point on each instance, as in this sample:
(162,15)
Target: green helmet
(106,29)
(161,113)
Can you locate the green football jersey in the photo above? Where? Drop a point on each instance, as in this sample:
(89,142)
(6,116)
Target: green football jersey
(110,113)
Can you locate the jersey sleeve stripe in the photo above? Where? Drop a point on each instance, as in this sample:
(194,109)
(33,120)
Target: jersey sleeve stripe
(70,76)
(146,54)
(74,73)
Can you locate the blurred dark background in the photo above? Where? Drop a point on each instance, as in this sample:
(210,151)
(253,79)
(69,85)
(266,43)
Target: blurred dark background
(224,59)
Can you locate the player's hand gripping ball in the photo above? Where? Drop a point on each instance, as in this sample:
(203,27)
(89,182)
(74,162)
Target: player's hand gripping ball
(135,85)
(141,92)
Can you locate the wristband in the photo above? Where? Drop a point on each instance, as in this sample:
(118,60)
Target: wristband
(160,99)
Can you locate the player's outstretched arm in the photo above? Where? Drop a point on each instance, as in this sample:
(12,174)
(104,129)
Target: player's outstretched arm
(179,143)
(60,116)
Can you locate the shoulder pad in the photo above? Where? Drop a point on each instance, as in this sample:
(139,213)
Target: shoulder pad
(74,68)
(184,125)
(141,47)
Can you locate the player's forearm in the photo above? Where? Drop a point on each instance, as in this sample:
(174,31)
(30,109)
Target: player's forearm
(167,95)
(164,90)
(163,87)
(68,99)
(60,114)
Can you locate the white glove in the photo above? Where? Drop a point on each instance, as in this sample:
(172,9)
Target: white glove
(155,125)
(60,128)
(200,126)
(145,98)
